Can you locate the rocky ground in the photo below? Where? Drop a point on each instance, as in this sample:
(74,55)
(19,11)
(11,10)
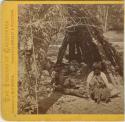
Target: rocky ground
(68,104)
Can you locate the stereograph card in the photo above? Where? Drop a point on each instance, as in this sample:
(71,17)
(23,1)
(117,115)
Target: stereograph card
(62,60)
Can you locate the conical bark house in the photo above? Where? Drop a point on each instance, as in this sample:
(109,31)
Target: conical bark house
(87,44)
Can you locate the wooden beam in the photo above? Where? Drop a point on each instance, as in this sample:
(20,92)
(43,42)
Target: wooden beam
(62,50)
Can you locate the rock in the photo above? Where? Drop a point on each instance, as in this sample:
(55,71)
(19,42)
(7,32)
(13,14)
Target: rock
(83,64)
(45,73)
(115,92)
(72,68)
(48,89)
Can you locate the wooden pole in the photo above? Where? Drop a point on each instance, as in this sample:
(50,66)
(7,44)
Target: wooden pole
(71,49)
(62,50)
(106,19)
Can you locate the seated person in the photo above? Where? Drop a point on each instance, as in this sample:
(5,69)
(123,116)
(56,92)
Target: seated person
(97,84)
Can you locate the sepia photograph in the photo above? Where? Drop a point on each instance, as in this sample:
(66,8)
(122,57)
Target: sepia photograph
(70,59)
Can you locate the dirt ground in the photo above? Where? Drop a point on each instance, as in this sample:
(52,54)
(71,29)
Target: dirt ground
(68,104)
